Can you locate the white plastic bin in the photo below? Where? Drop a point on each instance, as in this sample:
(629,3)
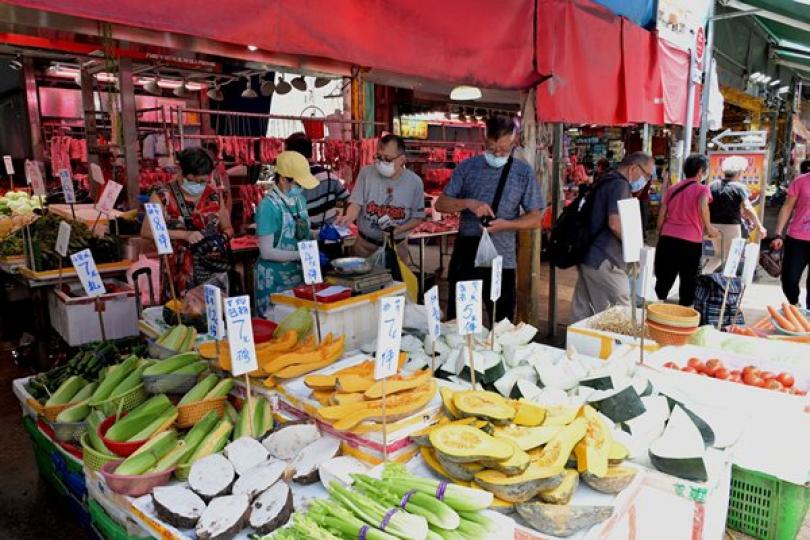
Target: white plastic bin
(74,316)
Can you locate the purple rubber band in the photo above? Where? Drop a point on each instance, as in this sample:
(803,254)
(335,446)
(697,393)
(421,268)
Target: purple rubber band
(440,490)
(362,534)
(406,498)
(387,517)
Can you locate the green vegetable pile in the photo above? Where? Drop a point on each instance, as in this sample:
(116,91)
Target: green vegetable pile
(45,230)
(87,363)
(11,245)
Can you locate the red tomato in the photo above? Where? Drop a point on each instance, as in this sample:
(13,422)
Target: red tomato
(689,369)
(735,378)
(696,364)
(767,375)
(704,374)
(736,372)
(752,379)
(773,384)
(760,382)
(797,392)
(671,365)
(721,373)
(712,365)
(749,370)
(786,379)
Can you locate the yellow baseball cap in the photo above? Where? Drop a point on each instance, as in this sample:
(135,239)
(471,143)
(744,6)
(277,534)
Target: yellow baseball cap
(293,165)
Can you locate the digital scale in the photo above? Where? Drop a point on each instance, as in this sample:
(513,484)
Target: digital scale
(364,283)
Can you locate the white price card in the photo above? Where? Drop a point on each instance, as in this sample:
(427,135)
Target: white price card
(108,197)
(160,233)
(240,335)
(63,238)
(67,186)
(750,261)
(96,174)
(33,175)
(389,336)
(468,307)
(496,279)
(632,235)
(645,288)
(734,257)
(434,313)
(9,164)
(88,273)
(213,311)
(310,261)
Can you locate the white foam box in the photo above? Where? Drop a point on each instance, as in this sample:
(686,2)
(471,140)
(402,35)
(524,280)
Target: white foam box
(75,318)
(599,343)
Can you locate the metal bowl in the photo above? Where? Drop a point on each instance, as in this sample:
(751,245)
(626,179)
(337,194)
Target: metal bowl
(351,266)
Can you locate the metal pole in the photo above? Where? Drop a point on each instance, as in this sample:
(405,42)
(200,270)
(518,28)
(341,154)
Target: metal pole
(129,122)
(789,106)
(708,64)
(89,113)
(556,182)
(690,107)
(32,108)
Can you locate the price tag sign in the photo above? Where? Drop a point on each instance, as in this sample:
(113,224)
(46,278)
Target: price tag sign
(734,256)
(310,261)
(496,279)
(67,186)
(63,238)
(9,164)
(96,174)
(632,234)
(213,311)
(88,273)
(240,335)
(468,307)
(33,175)
(389,336)
(751,258)
(434,313)
(154,212)
(646,280)
(108,197)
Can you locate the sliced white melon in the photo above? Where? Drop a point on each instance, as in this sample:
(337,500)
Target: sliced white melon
(680,451)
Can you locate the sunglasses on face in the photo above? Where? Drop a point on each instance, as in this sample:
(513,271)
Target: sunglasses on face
(385,159)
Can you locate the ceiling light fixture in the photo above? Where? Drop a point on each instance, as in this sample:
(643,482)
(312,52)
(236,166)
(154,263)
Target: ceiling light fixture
(267,87)
(282,86)
(465,93)
(249,92)
(755,76)
(215,93)
(299,83)
(766,79)
(774,82)
(320,82)
(16,63)
(153,86)
(252,48)
(783,89)
(182,90)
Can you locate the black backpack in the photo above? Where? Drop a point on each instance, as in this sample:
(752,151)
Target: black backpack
(570,238)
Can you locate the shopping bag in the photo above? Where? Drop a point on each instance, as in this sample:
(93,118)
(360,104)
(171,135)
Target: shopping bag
(709,295)
(486,251)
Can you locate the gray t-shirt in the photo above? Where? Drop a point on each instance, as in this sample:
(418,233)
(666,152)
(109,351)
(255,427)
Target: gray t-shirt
(474,179)
(606,203)
(401,199)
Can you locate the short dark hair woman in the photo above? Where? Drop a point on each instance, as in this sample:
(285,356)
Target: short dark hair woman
(795,209)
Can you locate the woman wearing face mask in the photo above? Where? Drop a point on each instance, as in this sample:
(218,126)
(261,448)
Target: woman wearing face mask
(387,189)
(281,222)
(199,224)
(682,220)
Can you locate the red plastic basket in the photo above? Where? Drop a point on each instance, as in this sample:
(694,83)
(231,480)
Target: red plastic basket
(131,484)
(125,449)
(263,330)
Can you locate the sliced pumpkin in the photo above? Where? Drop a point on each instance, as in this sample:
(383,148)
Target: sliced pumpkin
(521,487)
(483,404)
(555,454)
(518,462)
(593,451)
(528,414)
(320,382)
(528,437)
(399,383)
(429,457)
(618,452)
(343,398)
(463,471)
(498,505)
(560,415)
(562,494)
(352,382)
(324,397)
(447,401)
(465,444)
(614,481)
(562,520)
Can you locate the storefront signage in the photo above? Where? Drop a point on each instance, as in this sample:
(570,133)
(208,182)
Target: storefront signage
(63,238)
(213,311)
(413,129)
(240,335)
(154,212)
(67,186)
(679,21)
(88,273)
(496,279)
(310,261)
(468,307)
(434,313)
(389,336)
(108,197)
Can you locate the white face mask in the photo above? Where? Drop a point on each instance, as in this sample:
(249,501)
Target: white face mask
(385,168)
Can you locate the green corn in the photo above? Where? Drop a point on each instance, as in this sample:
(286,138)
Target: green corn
(159,445)
(172,364)
(222,389)
(213,442)
(139,418)
(230,412)
(171,458)
(200,390)
(113,378)
(66,391)
(174,338)
(194,368)
(242,428)
(267,418)
(136,464)
(196,434)
(189,339)
(258,416)
(93,421)
(154,425)
(75,413)
(130,382)
(85,393)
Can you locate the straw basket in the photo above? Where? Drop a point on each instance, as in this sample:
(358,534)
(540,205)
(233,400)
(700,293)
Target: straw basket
(50,413)
(190,414)
(673,315)
(669,335)
(127,401)
(93,459)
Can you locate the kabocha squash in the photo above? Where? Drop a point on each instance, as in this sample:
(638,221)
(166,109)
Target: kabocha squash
(421,437)
(521,487)
(498,505)
(284,343)
(562,520)
(614,481)
(528,438)
(429,457)
(618,452)
(462,471)
(354,383)
(562,494)
(482,404)
(555,454)
(619,405)
(399,383)
(518,462)
(593,451)
(464,444)
(528,414)
(560,415)
(447,401)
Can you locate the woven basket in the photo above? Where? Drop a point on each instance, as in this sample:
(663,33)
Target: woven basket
(673,315)
(669,335)
(69,431)
(93,459)
(130,400)
(50,413)
(35,405)
(190,414)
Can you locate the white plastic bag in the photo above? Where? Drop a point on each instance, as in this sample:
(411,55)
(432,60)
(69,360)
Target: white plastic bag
(486,251)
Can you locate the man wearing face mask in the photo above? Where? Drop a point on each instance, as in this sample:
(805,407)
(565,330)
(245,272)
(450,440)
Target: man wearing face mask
(199,223)
(385,188)
(501,193)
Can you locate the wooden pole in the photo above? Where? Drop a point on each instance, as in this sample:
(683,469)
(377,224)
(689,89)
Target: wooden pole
(317,314)
(643,328)
(93,228)
(385,424)
(171,286)
(73,211)
(100,318)
(723,305)
(494,319)
(248,405)
(433,361)
(470,358)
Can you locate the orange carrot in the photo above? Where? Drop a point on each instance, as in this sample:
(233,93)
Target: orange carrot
(790,316)
(803,322)
(781,321)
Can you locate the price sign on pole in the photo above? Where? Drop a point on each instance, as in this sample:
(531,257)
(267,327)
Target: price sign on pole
(468,307)
(646,281)
(154,212)
(96,174)
(67,186)
(734,256)
(88,273)
(632,235)
(240,335)
(434,313)
(751,258)
(213,311)
(108,197)
(497,279)
(9,165)
(389,336)
(310,262)
(63,238)
(33,175)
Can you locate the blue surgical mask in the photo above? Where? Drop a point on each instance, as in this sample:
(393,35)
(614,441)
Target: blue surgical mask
(495,161)
(194,189)
(295,191)
(636,185)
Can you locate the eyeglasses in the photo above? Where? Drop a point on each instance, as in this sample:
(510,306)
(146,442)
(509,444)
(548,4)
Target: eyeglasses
(384,159)
(647,175)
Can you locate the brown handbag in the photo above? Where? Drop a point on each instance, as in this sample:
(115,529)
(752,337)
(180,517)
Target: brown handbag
(771,261)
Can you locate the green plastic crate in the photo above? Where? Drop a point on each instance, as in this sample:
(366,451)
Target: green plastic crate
(105,526)
(765,507)
(42,454)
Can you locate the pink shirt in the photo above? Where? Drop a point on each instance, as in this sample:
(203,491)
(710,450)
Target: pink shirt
(684,218)
(799,227)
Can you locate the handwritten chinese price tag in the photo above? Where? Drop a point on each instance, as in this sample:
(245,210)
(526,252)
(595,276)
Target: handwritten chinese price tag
(434,314)
(734,256)
(67,186)
(310,261)
(33,175)
(496,279)
(108,197)
(468,307)
(9,164)
(63,238)
(88,273)
(154,212)
(213,311)
(389,336)
(751,258)
(240,335)
(646,280)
